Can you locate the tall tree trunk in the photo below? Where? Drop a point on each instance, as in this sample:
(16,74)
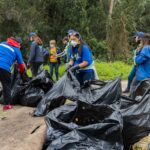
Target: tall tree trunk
(111,7)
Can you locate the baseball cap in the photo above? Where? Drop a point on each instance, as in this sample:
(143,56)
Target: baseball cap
(32,34)
(139,34)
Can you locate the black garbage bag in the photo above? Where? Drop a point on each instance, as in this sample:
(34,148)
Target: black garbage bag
(69,88)
(141,88)
(30,92)
(31,97)
(136,120)
(61,90)
(83,126)
(43,81)
(127,101)
(18,89)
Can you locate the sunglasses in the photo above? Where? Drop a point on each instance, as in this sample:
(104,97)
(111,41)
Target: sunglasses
(73,33)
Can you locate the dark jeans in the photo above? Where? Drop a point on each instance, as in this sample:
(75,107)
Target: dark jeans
(5,78)
(131,76)
(134,84)
(35,67)
(84,77)
(56,67)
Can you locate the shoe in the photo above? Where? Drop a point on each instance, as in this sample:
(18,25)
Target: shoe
(7,107)
(126,91)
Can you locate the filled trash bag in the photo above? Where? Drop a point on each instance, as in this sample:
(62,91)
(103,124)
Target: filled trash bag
(141,88)
(127,102)
(30,92)
(63,89)
(69,88)
(43,81)
(84,126)
(136,121)
(31,97)
(18,89)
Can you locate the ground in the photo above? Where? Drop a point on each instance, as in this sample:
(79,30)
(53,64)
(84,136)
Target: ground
(17,125)
(20,131)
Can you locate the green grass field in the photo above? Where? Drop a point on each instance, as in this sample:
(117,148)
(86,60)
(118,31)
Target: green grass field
(105,70)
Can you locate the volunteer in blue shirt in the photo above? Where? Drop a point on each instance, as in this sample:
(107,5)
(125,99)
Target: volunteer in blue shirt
(138,37)
(142,61)
(9,53)
(80,58)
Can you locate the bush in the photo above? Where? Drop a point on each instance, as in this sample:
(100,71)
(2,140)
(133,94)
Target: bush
(100,49)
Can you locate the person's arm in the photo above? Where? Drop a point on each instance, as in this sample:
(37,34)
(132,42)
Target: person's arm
(32,52)
(71,62)
(20,61)
(83,64)
(143,56)
(86,55)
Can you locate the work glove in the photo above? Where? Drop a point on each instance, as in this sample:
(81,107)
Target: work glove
(74,68)
(68,66)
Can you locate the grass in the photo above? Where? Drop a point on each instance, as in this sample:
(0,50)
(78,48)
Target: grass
(105,70)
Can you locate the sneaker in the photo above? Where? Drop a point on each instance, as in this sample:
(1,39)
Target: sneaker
(7,107)
(126,91)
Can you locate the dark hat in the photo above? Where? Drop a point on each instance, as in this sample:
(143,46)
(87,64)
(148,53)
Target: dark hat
(17,39)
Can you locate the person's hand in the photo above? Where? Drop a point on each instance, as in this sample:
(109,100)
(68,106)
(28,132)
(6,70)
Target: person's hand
(74,68)
(68,66)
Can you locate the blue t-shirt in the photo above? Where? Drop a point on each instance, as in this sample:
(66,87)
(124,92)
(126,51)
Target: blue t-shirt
(86,55)
(8,55)
(143,63)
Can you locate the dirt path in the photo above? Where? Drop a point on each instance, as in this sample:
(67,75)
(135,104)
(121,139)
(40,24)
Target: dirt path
(124,84)
(16,126)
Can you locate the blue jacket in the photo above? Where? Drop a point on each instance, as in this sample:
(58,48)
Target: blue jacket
(79,57)
(36,53)
(8,55)
(143,64)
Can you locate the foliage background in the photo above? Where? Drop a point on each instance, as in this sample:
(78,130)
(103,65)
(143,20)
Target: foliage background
(109,35)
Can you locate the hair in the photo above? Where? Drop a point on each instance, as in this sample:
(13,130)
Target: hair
(146,39)
(37,39)
(52,41)
(65,38)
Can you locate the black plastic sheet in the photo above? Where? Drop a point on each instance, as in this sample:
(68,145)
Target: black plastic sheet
(84,126)
(136,120)
(141,88)
(69,88)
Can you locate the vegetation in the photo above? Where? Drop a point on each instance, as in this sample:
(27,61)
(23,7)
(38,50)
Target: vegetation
(106,25)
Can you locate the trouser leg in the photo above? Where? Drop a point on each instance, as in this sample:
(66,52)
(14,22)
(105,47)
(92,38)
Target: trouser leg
(5,78)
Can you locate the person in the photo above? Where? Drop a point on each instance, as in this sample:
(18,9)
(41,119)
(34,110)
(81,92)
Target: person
(80,59)
(54,61)
(65,42)
(142,60)
(36,56)
(137,37)
(9,53)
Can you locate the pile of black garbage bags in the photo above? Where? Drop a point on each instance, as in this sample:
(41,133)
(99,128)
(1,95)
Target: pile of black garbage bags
(93,117)
(29,91)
